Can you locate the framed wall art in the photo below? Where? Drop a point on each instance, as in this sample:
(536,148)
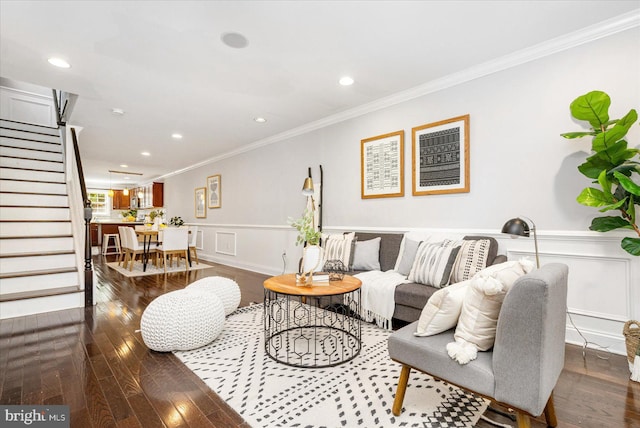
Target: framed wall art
(200,202)
(440,156)
(214,189)
(382,166)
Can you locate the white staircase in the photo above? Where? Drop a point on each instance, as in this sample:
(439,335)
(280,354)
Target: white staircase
(38,267)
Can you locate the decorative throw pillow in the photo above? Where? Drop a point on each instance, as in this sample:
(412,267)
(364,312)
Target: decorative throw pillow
(442,309)
(366,255)
(406,255)
(476,329)
(471,259)
(433,262)
(337,247)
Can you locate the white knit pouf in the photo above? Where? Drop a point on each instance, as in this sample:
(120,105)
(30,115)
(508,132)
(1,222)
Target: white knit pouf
(182,320)
(226,289)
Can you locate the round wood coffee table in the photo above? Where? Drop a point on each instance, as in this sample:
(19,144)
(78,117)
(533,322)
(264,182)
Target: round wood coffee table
(312,326)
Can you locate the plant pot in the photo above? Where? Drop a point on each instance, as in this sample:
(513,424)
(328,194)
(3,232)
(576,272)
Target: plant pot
(312,258)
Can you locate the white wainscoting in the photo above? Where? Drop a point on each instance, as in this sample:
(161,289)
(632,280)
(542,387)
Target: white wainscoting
(604,281)
(29,107)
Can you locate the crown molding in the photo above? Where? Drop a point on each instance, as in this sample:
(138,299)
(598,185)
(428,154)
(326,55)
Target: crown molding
(588,34)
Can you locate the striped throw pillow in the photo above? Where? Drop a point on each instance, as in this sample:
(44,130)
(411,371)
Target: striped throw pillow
(337,247)
(471,259)
(433,263)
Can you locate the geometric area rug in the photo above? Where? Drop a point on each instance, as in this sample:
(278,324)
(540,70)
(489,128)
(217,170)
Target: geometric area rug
(153,270)
(358,393)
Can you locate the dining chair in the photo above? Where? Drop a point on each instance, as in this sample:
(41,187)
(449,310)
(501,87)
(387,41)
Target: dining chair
(175,241)
(135,247)
(193,239)
(124,244)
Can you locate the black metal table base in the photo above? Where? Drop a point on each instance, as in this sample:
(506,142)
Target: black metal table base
(312,331)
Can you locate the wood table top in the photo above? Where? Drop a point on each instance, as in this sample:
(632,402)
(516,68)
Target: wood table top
(286,284)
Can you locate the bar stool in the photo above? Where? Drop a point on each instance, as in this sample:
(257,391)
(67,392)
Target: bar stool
(105,244)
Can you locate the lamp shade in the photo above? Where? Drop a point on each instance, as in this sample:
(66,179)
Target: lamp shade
(307,187)
(516,226)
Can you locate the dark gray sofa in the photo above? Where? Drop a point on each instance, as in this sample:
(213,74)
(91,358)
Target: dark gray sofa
(411,298)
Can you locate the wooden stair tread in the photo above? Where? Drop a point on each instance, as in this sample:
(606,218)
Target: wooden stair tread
(31,148)
(7,275)
(34,206)
(32,169)
(39,293)
(35,221)
(30,181)
(37,237)
(32,193)
(32,159)
(38,254)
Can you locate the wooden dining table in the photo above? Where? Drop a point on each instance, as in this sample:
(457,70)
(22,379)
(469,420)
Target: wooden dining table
(147,237)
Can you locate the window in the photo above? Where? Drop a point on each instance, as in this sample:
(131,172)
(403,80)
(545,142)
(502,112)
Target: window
(99,203)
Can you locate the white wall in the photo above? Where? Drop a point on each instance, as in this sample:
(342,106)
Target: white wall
(519,166)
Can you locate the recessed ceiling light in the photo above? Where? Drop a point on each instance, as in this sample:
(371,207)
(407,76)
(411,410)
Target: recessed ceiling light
(260,119)
(124,165)
(59,62)
(117,111)
(176,136)
(234,40)
(145,154)
(346,81)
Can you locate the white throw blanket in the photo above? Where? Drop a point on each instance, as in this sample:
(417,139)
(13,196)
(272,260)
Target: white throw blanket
(378,296)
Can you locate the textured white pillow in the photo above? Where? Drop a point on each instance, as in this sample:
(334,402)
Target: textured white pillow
(433,262)
(337,247)
(442,309)
(366,255)
(476,329)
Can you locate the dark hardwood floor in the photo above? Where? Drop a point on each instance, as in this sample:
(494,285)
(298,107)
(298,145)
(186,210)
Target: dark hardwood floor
(94,361)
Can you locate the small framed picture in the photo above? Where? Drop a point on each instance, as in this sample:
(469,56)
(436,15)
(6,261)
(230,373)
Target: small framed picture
(440,156)
(214,190)
(200,202)
(382,166)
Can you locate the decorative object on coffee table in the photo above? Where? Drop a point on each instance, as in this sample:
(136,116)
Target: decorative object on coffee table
(336,269)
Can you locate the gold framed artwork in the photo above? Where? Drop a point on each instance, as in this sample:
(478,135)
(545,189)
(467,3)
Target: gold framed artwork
(382,166)
(440,157)
(214,190)
(200,202)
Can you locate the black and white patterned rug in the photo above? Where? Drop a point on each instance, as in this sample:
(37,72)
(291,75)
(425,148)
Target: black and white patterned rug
(358,393)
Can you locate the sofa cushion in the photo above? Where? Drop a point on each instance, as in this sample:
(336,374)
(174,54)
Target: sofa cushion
(472,258)
(413,295)
(337,247)
(406,256)
(442,309)
(366,255)
(389,247)
(433,262)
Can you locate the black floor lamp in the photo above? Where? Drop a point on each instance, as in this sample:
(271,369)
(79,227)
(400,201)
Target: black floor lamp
(519,227)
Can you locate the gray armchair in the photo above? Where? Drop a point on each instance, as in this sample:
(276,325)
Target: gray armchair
(521,369)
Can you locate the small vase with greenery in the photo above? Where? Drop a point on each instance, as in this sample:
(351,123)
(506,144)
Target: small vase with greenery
(613,167)
(306,229)
(176,221)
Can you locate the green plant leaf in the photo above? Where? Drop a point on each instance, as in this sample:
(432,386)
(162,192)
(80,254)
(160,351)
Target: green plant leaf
(615,206)
(631,246)
(594,166)
(606,224)
(592,107)
(618,152)
(605,139)
(592,197)
(627,183)
(605,183)
(572,135)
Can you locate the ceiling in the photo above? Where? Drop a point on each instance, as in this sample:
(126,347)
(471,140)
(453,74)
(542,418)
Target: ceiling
(165,65)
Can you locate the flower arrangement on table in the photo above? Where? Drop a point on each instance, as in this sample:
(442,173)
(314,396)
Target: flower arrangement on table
(176,221)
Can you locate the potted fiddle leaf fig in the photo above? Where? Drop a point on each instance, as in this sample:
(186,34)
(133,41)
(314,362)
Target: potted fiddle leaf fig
(613,167)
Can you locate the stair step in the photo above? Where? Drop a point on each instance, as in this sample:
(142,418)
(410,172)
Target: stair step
(30,144)
(22,295)
(26,174)
(29,127)
(16,133)
(31,164)
(19,152)
(33,213)
(39,281)
(35,228)
(29,186)
(30,263)
(18,306)
(25,245)
(10,199)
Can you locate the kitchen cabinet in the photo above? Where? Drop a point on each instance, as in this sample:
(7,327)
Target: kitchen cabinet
(149,196)
(120,201)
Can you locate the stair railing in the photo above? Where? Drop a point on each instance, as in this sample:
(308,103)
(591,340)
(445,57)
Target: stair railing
(81,204)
